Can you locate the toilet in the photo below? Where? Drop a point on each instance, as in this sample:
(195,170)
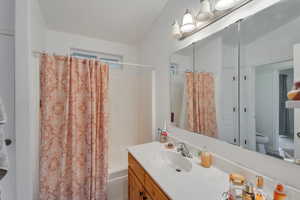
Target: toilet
(261,142)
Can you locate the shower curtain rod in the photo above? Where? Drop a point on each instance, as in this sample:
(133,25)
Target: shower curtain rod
(37,53)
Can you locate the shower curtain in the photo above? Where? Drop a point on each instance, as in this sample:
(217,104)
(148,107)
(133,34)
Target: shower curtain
(201,109)
(73,116)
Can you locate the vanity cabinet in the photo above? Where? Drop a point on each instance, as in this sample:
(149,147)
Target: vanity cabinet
(140,184)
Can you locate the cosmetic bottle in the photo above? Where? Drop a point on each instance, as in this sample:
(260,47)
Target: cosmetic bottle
(259,194)
(206,158)
(279,193)
(236,184)
(248,192)
(163,138)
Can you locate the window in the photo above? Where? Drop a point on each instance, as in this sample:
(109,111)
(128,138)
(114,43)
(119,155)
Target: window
(112,60)
(84,55)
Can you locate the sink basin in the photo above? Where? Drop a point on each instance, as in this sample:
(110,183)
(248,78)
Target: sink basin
(176,161)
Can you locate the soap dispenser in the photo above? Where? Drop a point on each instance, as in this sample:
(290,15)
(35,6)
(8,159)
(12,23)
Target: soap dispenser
(163,138)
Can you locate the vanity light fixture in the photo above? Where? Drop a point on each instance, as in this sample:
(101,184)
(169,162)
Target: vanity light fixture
(210,12)
(222,5)
(176,30)
(205,12)
(188,22)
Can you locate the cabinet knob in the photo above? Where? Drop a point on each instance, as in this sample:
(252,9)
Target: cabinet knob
(8,142)
(141,193)
(298,134)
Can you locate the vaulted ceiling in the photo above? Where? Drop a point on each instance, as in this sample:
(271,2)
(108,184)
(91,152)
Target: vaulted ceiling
(124,21)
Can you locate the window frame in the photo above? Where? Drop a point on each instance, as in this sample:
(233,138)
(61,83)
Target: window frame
(103,57)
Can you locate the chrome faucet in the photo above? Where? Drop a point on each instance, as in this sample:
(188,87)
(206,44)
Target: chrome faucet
(182,148)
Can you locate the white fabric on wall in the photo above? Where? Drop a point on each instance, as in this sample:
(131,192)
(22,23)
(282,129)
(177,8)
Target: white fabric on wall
(3,151)
(2,113)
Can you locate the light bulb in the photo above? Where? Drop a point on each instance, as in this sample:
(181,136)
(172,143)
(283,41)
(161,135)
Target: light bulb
(176,30)
(205,12)
(188,24)
(222,5)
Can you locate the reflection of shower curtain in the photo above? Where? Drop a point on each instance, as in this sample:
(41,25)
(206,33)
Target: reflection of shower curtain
(201,109)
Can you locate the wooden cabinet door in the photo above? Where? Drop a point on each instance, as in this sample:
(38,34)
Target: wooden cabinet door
(135,188)
(138,170)
(147,196)
(153,189)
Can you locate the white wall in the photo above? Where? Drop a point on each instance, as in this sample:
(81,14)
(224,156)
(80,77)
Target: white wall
(264,50)
(159,45)
(61,43)
(8,183)
(38,40)
(7,16)
(30,34)
(22,49)
(130,114)
(7,67)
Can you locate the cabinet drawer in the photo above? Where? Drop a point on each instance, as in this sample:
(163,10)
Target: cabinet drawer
(136,168)
(154,191)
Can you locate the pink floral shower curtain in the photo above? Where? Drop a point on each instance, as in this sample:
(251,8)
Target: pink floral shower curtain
(201,110)
(73,148)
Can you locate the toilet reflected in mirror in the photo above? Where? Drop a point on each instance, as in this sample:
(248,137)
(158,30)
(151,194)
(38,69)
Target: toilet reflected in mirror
(261,143)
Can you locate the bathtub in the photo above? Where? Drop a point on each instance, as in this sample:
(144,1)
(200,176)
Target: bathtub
(118,184)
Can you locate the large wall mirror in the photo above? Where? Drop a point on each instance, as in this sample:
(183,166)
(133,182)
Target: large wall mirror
(233,85)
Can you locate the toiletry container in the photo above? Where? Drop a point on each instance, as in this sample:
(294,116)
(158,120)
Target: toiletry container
(236,186)
(279,193)
(260,195)
(248,192)
(163,137)
(294,94)
(206,159)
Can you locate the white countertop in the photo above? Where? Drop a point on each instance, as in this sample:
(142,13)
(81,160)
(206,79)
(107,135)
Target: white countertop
(198,184)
